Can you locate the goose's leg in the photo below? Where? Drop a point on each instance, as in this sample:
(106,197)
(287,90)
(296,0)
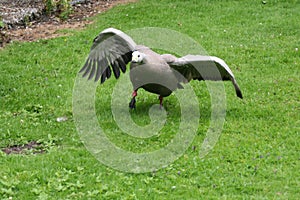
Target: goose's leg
(160,101)
(132,102)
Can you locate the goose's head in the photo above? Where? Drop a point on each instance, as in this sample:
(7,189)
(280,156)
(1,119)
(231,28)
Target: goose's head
(137,57)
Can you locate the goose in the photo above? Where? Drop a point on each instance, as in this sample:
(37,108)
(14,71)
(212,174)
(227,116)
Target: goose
(160,74)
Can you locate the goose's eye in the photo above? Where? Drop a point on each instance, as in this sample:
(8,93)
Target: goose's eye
(139,56)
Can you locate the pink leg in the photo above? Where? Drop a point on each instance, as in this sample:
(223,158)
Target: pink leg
(132,102)
(134,93)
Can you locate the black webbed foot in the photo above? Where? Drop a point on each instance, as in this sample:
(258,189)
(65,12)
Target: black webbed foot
(132,103)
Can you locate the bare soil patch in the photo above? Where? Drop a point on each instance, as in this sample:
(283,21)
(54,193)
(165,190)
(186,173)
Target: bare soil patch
(47,27)
(32,147)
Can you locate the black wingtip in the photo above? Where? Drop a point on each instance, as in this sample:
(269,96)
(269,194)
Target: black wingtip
(237,88)
(239,94)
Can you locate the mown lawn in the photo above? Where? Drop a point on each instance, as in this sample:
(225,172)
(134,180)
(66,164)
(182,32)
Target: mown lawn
(256,157)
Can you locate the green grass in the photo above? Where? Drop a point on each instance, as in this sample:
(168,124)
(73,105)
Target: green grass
(256,157)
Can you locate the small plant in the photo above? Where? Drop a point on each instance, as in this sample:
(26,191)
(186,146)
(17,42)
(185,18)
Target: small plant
(1,34)
(49,6)
(1,23)
(61,8)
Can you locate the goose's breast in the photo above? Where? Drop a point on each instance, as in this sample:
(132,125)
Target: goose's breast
(154,78)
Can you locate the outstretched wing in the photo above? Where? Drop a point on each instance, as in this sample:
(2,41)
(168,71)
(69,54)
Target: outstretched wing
(111,51)
(202,68)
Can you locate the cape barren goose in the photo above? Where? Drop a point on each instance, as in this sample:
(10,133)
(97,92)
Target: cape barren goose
(112,50)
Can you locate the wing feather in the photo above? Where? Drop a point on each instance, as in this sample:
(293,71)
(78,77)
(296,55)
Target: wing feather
(111,51)
(116,69)
(87,67)
(92,73)
(196,67)
(122,64)
(98,71)
(106,74)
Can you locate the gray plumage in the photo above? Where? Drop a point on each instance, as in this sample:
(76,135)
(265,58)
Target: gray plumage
(112,50)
